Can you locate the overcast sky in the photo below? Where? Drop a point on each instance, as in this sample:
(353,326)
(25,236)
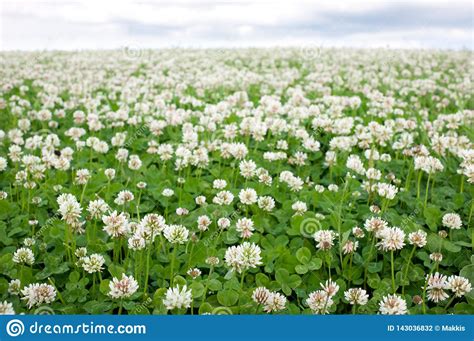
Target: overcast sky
(94,24)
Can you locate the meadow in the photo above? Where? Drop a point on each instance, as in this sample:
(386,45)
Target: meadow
(240,181)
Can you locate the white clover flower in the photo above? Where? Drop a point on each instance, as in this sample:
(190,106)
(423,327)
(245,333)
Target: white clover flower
(181,211)
(319,302)
(124,197)
(436,284)
(319,188)
(375,225)
(176,234)
(452,221)
(355,163)
(153,224)
(97,207)
(358,232)
(248,196)
(219,184)
(82,176)
(37,294)
(387,191)
(14,287)
(123,288)
(93,263)
(110,173)
(436,257)
(177,298)
(274,302)
(324,239)
(6,308)
(266,203)
(69,208)
(116,225)
(260,295)
(350,247)
(223,198)
(134,162)
(330,287)
(243,257)
(81,252)
(136,242)
(23,255)
(167,192)
(393,238)
(428,164)
(459,285)
(247,169)
(3,164)
(200,200)
(203,222)
(417,238)
(245,227)
(393,305)
(373,174)
(356,296)
(299,207)
(194,273)
(223,223)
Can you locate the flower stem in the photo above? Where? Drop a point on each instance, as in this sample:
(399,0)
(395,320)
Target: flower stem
(57,291)
(470,212)
(138,205)
(173,256)
(449,303)
(82,193)
(354,309)
(145,286)
(418,185)
(405,277)
(350,269)
(368,261)
(426,191)
(407,183)
(393,271)
(241,287)
(207,284)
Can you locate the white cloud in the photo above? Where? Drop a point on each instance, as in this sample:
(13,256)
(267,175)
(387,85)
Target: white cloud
(90,24)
